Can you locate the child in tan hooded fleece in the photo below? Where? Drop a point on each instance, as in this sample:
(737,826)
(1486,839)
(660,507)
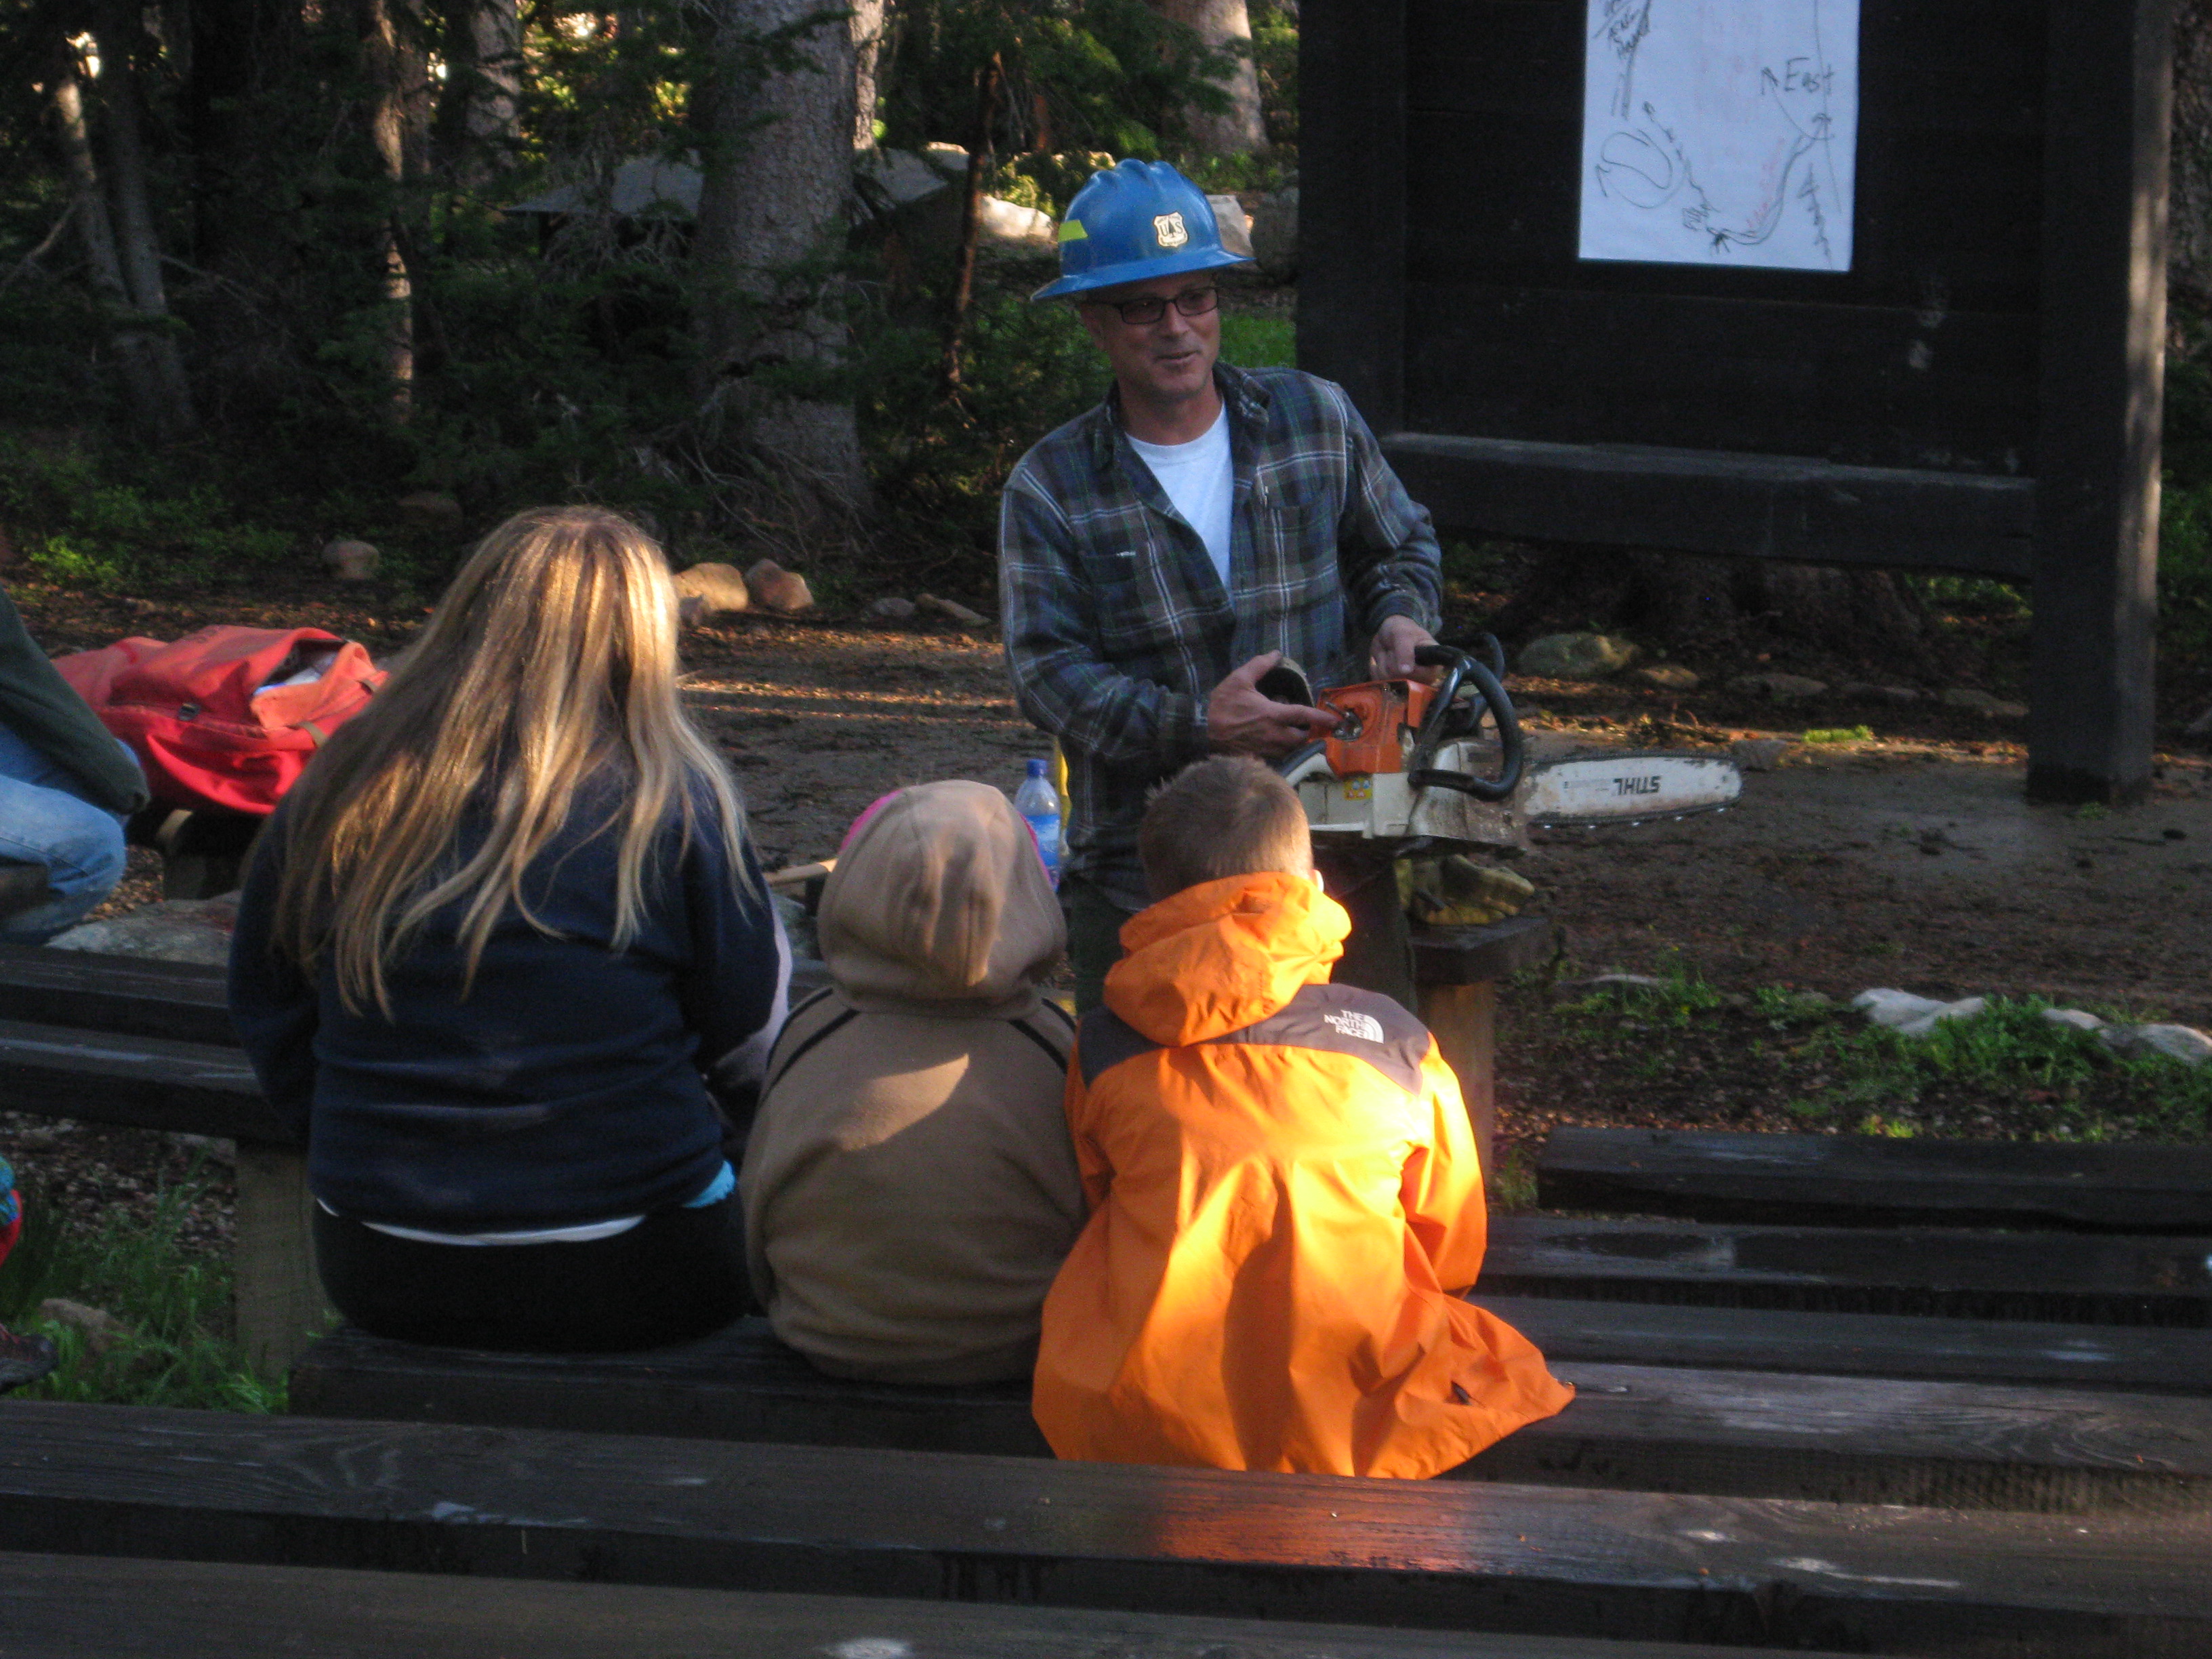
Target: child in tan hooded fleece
(909,1186)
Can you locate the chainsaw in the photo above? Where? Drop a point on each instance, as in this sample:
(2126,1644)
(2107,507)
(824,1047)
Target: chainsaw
(1409,764)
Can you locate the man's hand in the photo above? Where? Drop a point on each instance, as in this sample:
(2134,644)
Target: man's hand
(1390,657)
(1240,721)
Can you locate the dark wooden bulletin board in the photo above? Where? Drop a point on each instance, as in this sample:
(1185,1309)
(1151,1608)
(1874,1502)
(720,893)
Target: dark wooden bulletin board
(1979,392)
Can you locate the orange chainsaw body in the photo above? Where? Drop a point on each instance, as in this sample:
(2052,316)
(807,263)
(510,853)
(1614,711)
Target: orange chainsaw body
(1378,720)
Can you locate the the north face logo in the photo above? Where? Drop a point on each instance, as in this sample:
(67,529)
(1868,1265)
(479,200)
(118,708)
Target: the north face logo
(1168,228)
(1366,1027)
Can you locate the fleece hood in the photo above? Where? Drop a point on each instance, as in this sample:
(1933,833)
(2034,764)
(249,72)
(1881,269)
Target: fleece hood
(1224,955)
(940,898)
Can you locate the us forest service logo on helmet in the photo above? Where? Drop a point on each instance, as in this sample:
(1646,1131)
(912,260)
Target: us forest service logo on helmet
(1168,230)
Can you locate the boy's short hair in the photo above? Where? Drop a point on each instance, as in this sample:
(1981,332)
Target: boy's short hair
(1229,816)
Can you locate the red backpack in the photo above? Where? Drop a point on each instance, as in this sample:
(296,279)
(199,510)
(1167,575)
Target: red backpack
(227,717)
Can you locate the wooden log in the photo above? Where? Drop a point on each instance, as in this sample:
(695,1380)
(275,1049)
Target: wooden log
(217,1487)
(2157,1360)
(1463,1019)
(1952,1273)
(1873,1181)
(1630,1427)
(279,1302)
(147,1083)
(60,1606)
(128,996)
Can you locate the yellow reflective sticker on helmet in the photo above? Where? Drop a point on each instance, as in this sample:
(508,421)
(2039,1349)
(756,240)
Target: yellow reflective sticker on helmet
(1073,231)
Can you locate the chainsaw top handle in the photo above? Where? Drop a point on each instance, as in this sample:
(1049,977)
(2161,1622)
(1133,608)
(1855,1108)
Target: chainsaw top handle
(1463,668)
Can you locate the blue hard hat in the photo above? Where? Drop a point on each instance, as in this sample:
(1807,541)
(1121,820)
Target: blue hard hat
(1134,221)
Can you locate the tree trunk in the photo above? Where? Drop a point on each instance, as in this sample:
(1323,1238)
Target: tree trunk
(1224,23)
(137,248)
(989,82)
(397,75)
(142,380)
(2189,214)
(867,53)
(478,117)
(772,203)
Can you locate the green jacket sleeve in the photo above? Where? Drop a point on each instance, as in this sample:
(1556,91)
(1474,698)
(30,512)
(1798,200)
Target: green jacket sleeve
(37,704)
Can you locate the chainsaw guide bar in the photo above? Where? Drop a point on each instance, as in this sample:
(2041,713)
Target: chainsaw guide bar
(1626,789)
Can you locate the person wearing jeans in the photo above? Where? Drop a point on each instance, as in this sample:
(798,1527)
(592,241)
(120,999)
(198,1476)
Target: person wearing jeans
(66,787)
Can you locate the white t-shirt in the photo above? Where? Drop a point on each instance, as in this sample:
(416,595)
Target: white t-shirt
(1200,480)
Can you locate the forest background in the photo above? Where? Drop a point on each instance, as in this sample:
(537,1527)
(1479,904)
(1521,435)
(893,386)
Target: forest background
(260,285)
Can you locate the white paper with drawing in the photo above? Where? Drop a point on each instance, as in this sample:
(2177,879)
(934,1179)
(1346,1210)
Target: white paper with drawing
(1721,132)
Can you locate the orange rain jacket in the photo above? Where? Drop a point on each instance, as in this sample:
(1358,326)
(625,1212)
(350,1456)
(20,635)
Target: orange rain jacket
(1286,1205)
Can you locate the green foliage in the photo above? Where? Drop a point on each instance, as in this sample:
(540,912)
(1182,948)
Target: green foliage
(1259,340)
(1840,734)
(1091,75)
(74,523)
(2184,570)
(175,1302)
(1276,54)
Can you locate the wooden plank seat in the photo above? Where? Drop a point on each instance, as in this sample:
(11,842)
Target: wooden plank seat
(60,1606)
(1632,1427)
(1871,1180)
(1956,1273)
(2156,1359)
(521,1504)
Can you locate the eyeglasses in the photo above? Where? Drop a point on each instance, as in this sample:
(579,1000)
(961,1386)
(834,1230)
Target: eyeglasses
(1142,314)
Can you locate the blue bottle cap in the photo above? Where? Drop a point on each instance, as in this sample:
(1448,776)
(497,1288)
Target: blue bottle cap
(1036,768)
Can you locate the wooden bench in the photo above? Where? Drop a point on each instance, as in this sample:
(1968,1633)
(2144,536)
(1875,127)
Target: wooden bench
(1870,1181)
(1505,1560)
(60,1606)
(150,1045)
(1650,1428)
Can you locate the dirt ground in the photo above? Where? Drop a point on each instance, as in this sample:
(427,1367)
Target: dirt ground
(1912,860)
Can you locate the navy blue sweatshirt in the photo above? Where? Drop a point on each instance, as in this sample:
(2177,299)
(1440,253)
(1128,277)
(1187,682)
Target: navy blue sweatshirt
(566,1087)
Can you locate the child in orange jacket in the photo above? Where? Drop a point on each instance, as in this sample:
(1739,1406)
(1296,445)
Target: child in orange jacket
(1286,1199)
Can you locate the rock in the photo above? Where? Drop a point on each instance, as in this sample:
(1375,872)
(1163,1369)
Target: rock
(895,178)
(691,613)
(949,160)
(174,930)
(1011,225)
(1275,232)
(214,1148)
(1234,224)
(2183,1042)
(1665,676)
(1914,1016)
(891,608)
(1780,688)
(2080,1019)
(431,510)
(719,587)
(1981,702)
(953,610)
(1610,982)
(1758,754)
(1901,696)
(100,1329)
(1576,656)
(774,588)
(352,561)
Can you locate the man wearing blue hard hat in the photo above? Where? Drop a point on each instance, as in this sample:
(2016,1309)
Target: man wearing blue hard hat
(1161,552)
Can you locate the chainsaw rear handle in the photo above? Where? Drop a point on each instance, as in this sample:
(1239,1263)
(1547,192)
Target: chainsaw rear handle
(1463,668)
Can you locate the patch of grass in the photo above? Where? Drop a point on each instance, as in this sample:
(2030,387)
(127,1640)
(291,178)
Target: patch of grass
(176,1304)
(1255,340)
(1513,1180)
(1783,1059)
(1840,734)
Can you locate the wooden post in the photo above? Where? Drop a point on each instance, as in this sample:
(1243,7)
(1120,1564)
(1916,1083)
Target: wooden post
(2109,100)
(279,1300)
(1463,1019)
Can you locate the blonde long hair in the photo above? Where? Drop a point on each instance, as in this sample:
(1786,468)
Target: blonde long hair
(551,662)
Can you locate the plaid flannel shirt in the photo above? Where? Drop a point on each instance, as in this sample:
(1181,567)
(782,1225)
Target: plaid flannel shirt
(1117,627)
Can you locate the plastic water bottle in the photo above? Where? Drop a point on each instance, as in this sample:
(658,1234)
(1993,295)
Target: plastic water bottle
(1037,801)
